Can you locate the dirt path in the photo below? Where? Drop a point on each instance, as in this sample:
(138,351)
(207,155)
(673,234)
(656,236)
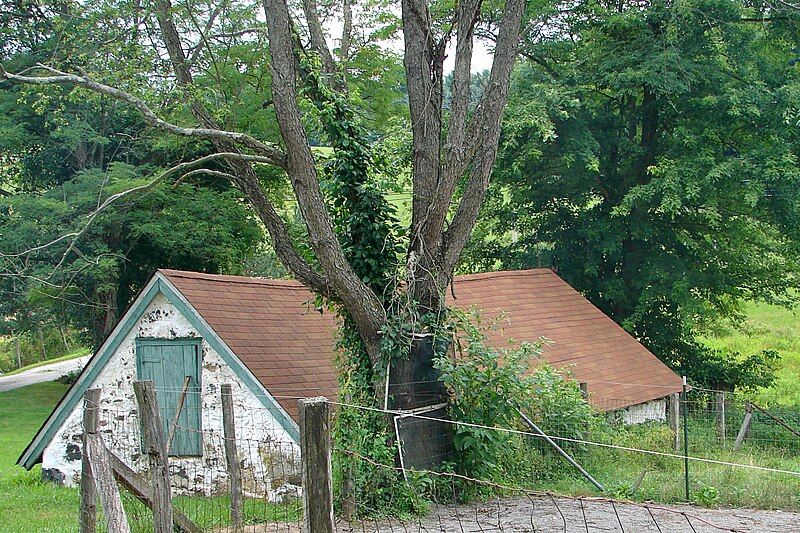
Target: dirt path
(543,515)
(42,373)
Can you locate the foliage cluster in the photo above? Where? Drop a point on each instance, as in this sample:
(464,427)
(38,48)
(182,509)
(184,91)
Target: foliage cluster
(36,346)
(87,285)
(489,387)
(648,156)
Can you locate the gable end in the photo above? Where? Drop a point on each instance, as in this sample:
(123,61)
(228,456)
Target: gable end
(157,285)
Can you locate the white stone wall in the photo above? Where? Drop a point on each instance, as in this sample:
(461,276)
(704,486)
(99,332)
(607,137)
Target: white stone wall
(655,410)
(270,459)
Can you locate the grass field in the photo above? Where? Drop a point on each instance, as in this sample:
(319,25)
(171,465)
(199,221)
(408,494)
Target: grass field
(767,327)
(26,502)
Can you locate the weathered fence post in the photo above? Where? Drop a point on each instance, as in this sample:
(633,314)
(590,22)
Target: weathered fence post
(674,419)
(103,474)
(315,459)
(88,509)
(748,416)
(156,449)
(719,411)
(231,456)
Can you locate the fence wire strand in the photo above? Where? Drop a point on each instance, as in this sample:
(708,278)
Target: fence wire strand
(635,439)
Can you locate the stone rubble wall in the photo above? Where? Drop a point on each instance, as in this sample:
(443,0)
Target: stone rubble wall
(269,457)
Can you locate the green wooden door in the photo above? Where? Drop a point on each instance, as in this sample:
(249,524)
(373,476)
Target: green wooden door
(168,363)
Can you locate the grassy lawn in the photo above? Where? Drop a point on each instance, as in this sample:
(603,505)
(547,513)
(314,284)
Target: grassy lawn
(767,327)
(72,355)
(27,503)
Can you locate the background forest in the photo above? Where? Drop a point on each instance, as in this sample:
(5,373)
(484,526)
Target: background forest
(648,154)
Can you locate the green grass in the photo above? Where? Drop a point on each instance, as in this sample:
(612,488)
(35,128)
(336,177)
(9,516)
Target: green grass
(29,504)
(72,355)
(767,327)
(663,482)
(26,502)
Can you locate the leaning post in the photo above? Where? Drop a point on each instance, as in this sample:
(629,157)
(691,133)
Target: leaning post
(315,459)
(88,506)
(156,448)
(748,416)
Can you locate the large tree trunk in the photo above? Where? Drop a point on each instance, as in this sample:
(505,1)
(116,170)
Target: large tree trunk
(443,157)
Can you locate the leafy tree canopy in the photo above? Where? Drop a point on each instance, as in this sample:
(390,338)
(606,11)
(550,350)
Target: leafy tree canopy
(649,155)
(89,283)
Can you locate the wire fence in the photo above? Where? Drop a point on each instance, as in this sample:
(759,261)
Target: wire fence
(739,454)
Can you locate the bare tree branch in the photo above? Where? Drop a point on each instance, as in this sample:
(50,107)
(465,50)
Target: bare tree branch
(277,157)
(242,173)
(115,198)
(347,32)
(455,152)
(320,45)
(203,42)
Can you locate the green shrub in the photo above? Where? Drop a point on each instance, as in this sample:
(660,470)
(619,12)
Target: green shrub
(489,386)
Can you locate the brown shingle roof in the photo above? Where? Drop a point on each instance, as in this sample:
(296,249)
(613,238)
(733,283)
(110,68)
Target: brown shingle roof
(274,329)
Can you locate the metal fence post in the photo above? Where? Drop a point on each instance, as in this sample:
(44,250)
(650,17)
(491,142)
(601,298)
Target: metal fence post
(686,440)
(315,459)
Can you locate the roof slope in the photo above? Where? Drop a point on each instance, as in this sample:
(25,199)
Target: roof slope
(274,329)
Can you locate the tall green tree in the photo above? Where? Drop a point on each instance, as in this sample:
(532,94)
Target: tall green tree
(649,155)
(88,284)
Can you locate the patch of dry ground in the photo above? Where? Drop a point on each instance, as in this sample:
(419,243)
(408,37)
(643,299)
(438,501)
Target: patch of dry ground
(545,515)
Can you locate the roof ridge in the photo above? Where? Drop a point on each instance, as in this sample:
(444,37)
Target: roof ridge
(504,274)
(294,284)
(229,278)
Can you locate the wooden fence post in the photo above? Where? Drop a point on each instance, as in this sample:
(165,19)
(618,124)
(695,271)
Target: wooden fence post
(720,414)
(315,459)
(748,416)
(156,449)
(231,455)
(674,420)
(88,509)
(106,485)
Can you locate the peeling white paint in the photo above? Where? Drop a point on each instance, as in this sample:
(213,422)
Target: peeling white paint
(655,410)
(269,457)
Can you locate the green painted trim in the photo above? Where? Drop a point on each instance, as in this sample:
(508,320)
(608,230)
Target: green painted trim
(33,452)
(158,284)
(197,343)
(239,368)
